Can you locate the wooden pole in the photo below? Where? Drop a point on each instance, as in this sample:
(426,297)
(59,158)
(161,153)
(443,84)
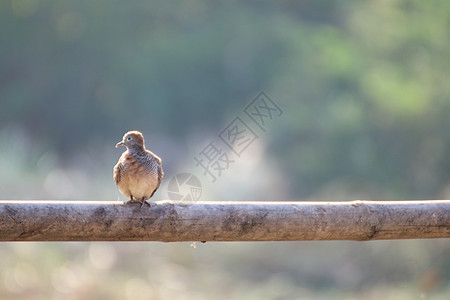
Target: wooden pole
(168,221)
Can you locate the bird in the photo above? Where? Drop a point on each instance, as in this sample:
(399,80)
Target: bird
(138,173)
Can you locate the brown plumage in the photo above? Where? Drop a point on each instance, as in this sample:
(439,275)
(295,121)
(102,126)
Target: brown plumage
(138,173)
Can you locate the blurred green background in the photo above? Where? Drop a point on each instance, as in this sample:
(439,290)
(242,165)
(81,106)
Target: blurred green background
(364,90)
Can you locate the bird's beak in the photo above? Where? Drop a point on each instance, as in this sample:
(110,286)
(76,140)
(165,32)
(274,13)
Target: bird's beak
(120,144)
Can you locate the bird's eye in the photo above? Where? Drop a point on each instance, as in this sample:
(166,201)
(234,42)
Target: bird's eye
(129,138)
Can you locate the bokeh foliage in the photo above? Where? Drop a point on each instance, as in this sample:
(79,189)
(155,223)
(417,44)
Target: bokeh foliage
(364,84)
(364,89)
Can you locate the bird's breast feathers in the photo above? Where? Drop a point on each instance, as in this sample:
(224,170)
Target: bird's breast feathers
(141,187)
(137,176)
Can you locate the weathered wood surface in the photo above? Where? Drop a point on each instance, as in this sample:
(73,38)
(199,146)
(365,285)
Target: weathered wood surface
(168,221)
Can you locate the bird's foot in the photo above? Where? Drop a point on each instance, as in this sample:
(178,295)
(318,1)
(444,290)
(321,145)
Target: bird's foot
(142,202)
(145,202)
(132,201)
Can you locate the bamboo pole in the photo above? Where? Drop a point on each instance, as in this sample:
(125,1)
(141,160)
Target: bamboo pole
(168,221)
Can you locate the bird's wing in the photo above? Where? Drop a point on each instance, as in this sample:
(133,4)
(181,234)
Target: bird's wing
(160,175)
(118,170)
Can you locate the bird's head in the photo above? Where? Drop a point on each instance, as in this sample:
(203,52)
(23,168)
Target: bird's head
(132,139)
